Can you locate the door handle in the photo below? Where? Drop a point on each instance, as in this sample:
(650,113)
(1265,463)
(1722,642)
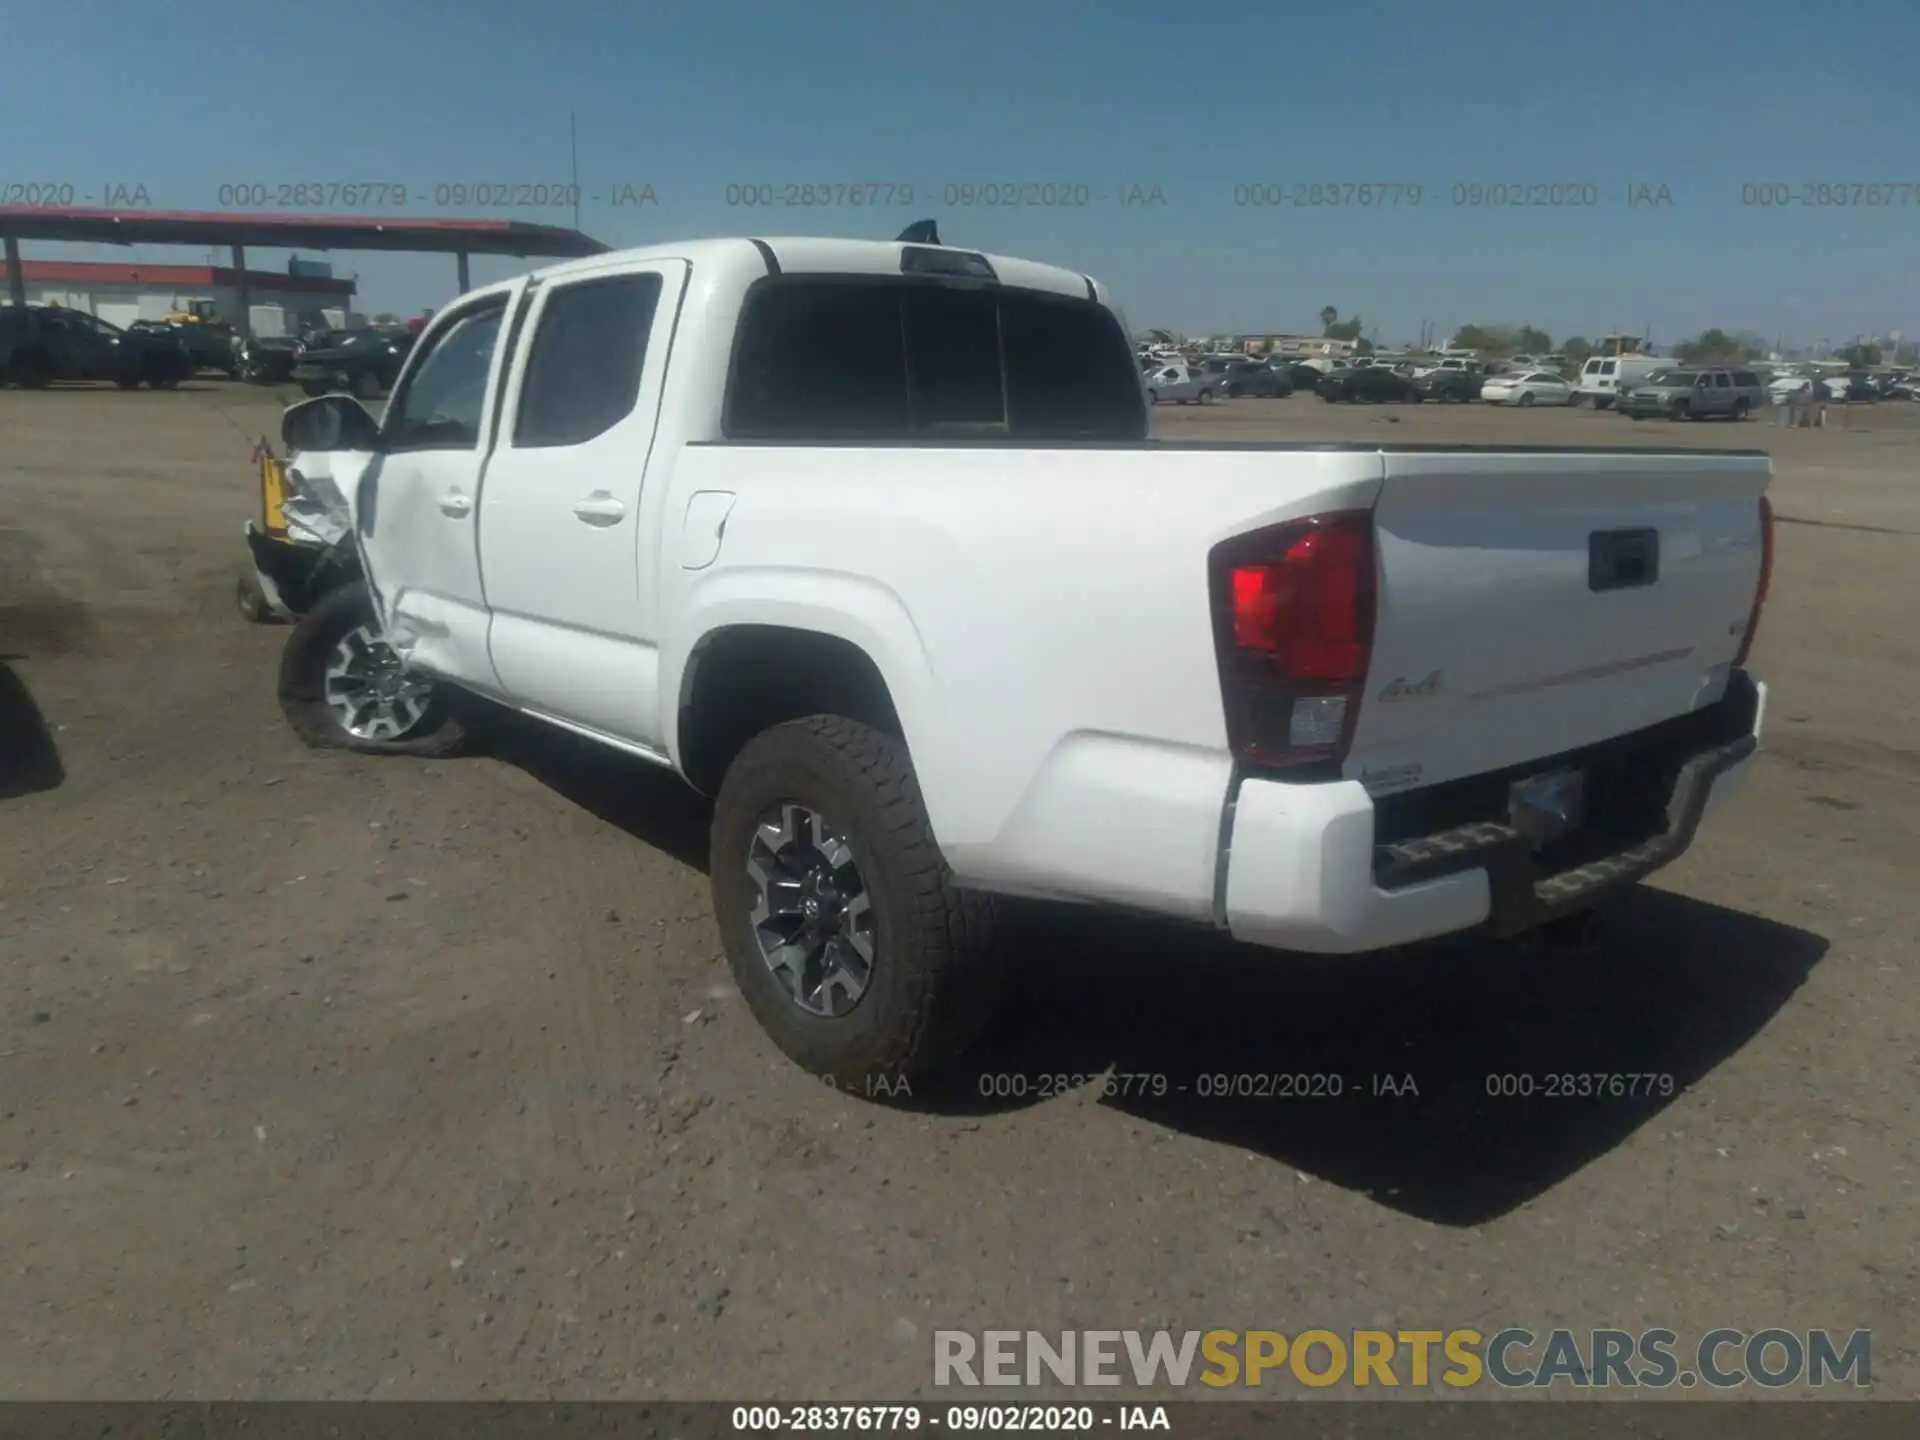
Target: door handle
(455,504)
(600,508)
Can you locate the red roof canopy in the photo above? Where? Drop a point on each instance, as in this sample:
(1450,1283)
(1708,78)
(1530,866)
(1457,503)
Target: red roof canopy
(191,277)
(85,225)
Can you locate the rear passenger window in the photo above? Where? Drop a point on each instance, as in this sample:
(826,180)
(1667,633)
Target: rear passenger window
(1723,381)
(583,369)
(1745,379)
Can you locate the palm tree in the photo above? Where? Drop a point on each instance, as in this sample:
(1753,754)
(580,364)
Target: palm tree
(1329,316)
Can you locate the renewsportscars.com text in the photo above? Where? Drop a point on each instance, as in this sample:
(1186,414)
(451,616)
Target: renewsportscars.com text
(1511,1358)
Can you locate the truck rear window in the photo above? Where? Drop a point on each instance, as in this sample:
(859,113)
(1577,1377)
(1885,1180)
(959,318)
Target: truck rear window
(858,357)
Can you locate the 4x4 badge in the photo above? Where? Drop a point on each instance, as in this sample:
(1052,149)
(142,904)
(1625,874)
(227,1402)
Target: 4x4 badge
(1401,688)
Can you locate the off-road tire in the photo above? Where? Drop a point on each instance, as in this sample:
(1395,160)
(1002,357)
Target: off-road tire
(937,969)
(442,730)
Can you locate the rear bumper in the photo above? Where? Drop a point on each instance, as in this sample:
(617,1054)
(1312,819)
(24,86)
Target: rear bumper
(1326,869)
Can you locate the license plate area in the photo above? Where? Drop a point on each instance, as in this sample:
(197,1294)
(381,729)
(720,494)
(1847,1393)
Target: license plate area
(1548,807)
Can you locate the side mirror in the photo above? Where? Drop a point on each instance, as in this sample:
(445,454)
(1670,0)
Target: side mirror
(329,422)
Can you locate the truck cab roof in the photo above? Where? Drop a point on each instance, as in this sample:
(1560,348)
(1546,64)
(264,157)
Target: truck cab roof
(744,259)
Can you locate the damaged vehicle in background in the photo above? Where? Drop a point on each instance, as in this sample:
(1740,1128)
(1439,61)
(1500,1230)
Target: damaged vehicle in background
(301,547)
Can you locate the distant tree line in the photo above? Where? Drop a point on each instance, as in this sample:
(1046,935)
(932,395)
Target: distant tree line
(1332,327)
(1511,340)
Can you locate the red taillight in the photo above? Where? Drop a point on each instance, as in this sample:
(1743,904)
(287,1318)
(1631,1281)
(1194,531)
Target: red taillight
(1765,582)
(1310,608)
(1294,624)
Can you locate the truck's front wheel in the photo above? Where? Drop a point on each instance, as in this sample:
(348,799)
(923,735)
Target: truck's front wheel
(851,944)
(343,687)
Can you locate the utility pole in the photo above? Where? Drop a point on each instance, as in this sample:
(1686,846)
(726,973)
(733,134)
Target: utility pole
(573,151)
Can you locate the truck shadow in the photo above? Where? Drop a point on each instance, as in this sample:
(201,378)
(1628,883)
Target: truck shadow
(651,804)
(1402,1075)
(1195,1033)
(29,760)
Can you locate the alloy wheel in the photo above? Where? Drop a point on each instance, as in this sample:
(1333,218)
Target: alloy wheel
(811,914)
(370,690)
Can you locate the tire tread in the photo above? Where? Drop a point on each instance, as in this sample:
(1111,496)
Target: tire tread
(950,944)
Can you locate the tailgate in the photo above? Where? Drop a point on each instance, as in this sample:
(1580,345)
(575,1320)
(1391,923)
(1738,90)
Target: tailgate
(1531,604)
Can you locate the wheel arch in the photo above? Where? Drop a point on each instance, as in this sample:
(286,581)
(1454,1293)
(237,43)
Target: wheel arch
(749,664)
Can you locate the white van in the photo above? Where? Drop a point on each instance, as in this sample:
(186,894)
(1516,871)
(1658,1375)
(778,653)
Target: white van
(1604,376)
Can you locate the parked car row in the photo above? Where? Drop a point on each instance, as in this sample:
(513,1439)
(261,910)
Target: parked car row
(1851,387)
(1640,387)
(40,344)
(44,344)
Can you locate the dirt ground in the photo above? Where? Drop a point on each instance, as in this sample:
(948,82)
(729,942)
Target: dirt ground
(323,1076)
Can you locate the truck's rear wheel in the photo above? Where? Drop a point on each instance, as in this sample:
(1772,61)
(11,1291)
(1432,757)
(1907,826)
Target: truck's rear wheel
(342,687)
(847,937)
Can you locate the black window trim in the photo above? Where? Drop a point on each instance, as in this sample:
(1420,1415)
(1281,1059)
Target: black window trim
(523,308)
(445,324)
(1000,434)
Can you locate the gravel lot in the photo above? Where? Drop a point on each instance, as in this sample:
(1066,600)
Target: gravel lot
(323,1076)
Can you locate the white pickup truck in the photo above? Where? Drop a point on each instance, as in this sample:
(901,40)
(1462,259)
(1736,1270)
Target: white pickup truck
(872,542)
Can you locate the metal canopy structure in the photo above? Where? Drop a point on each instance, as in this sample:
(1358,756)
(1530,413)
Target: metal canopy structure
(459,238)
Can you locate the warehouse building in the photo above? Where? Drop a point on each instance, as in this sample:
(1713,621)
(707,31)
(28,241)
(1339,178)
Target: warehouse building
(121,294)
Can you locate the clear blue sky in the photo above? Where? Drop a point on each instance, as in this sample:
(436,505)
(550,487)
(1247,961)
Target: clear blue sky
(690,96)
